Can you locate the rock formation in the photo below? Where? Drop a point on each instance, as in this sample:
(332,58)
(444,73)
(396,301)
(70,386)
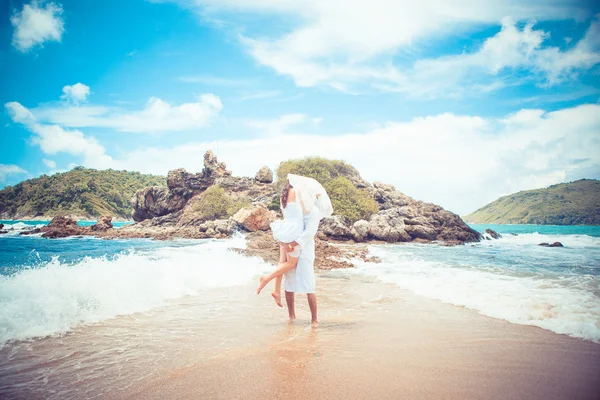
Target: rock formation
(264,175)
(255,218)
(175,211)
(493,234)
(402,219)
(61,227)
(104,223)
(555,244)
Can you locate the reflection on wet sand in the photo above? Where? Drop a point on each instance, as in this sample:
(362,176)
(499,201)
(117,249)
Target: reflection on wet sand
(374,341)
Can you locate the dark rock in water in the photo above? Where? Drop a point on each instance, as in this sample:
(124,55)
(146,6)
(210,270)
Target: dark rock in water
(3,232)
(264,175)
(1,226)
(30,231)
(61,227)
(555,244)
(104,223)
(493,234)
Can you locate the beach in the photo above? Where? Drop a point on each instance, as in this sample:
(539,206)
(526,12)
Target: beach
(375,340)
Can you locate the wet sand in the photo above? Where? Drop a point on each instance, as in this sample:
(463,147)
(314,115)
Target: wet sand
(376,341)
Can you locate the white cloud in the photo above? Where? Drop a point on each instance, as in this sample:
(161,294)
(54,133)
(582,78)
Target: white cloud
(157,116)
(348,44)
(49,163)
(36,24)
(511,49)
(10,169)
(75,93)
(54,139)
(459,162)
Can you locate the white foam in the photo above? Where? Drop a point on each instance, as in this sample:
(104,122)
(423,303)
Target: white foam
(565,305)
(56,297)
(537,238)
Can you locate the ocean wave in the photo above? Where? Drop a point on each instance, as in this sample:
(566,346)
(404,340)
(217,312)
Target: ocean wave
(537,238)
(55,297)
(563,304)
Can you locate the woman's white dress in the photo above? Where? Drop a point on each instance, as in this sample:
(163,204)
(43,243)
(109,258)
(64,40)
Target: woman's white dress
(289,228)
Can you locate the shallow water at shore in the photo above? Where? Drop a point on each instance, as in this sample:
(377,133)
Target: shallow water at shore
(374,340)
(136,318)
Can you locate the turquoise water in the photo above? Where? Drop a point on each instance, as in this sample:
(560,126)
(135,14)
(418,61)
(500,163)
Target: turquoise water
(10,222)
(541,229)
(51,286)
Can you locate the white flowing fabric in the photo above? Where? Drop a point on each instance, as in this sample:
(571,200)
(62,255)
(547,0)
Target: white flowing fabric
(316,205)
(311,194)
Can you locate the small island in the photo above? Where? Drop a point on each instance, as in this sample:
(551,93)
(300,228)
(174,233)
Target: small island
(573,203)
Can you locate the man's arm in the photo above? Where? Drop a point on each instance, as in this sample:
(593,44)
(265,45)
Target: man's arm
(310,228)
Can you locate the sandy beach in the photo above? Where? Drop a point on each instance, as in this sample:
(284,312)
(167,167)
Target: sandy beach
(374,341)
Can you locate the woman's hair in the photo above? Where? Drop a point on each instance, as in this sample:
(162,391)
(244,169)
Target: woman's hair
(285,193)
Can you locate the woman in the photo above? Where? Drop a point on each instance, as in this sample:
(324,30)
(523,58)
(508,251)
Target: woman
(299,196)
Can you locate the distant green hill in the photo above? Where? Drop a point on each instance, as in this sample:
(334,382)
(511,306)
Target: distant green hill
(87,193)
(574,203)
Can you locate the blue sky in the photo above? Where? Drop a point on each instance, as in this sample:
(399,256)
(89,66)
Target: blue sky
(455,102)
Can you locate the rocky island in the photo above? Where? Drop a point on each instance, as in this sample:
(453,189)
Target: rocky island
(214,204)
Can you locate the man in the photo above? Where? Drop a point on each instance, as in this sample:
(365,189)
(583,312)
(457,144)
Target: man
(302,278)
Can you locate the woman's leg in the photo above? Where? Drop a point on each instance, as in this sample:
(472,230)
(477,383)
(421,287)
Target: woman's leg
(281,269)
(277,292)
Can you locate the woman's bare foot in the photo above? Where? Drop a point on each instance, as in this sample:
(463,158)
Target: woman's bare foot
(277,298)
(263,283)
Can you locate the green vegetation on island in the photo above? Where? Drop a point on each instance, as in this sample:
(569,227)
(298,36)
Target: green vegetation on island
(574,203)
(215,203)
(82,192)
(349,201)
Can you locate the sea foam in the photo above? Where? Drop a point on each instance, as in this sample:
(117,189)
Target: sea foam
(55,297)
(563,302)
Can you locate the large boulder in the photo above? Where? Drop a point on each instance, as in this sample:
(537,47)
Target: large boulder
(155,201)
(388,225)
(387,196)
(264,175)
(61,227)
(421,232)
(335,227)
(224,227)
(104,223)
(360,230)
(254,218)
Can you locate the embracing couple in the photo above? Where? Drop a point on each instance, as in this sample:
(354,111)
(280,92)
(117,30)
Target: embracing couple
(304,202)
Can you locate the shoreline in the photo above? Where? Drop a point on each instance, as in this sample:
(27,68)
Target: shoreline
(379,341)
(76,218)
(375,340)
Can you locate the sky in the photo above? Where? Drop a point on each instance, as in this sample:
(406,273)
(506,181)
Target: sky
(455,102)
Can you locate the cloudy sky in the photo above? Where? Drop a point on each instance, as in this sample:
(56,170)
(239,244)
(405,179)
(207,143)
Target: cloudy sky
(455,102)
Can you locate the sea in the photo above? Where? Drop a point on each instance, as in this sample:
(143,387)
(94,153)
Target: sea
(50,288)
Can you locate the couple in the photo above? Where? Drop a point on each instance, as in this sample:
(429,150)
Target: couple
(304,202)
